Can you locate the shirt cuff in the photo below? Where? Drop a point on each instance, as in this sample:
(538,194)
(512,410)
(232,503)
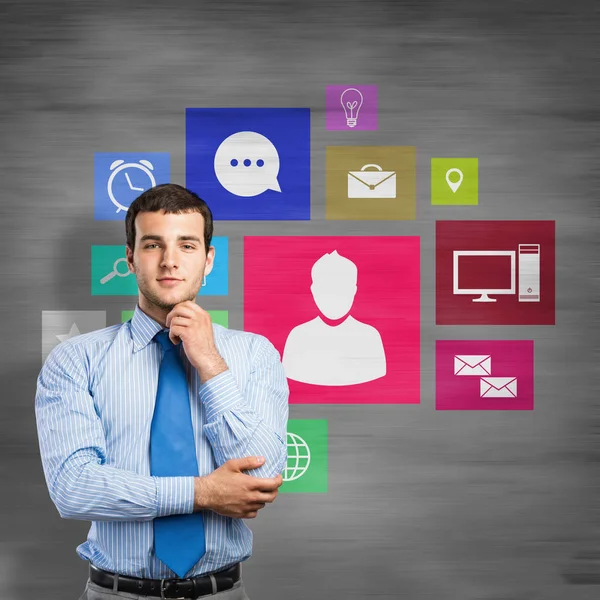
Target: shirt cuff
(174,496)
(219,394)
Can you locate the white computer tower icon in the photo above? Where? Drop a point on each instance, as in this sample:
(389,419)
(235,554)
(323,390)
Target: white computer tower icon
(529,272)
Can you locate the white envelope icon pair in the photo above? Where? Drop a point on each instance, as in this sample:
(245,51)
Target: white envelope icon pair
(472,364)
(498,387)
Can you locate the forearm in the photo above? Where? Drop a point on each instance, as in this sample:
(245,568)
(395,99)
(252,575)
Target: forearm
(234,429)
(240,432)
(251,421)
(87,490)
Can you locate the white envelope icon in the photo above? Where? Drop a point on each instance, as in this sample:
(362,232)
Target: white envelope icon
(472,364)
(498,387)
(371,184)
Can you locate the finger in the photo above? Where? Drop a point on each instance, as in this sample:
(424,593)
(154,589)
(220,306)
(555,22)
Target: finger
(245,463)
(180,330)
(255,506)
(189,308)
(189,304)
(179,311)
(181,321)
(271,482)
(250,515)
(176,334)
(196,309)
(266,497)
(186,316)
(264,484)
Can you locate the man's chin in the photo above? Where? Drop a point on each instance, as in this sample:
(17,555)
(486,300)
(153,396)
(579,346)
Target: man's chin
(168,302)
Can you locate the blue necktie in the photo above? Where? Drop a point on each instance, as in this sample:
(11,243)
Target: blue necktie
(178,539)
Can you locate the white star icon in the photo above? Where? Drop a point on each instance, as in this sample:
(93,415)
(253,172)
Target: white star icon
(72,333)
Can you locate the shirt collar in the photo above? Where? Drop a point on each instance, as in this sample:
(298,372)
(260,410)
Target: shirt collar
(143,328)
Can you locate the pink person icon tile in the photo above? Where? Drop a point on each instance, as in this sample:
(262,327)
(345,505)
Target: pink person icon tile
(351,107)
(484,375)
(343,312)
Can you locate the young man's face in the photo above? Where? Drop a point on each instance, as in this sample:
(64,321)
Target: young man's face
(169,259)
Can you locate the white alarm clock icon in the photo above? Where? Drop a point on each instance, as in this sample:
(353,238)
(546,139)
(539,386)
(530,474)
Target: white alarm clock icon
(127,187)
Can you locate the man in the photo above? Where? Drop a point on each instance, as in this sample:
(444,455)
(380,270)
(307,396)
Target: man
(147,428)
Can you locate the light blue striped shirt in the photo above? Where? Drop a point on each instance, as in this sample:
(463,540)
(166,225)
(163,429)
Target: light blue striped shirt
(94,407)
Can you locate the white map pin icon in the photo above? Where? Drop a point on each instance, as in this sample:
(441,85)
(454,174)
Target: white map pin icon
(454,185)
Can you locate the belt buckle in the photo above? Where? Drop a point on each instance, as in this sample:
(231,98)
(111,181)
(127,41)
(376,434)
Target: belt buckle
(162,591)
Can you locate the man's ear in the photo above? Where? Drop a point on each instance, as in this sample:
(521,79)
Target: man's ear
(210,260)
(129,256)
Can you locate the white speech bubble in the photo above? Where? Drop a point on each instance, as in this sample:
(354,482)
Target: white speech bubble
(247,164)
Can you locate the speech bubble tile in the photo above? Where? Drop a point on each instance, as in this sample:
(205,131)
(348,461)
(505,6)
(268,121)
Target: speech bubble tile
(250,163)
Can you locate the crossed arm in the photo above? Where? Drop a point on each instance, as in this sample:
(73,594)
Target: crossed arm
(83,486)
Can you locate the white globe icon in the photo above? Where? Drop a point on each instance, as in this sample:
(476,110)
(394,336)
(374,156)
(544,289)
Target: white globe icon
(298,457)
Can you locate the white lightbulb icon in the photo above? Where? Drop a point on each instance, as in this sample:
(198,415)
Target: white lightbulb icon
(351,100)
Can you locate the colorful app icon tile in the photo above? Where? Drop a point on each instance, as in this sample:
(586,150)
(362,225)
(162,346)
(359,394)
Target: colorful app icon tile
(454,181)
(370,183)
(343,312)
(351,107)
(306,468)
(250,163)
(110,273)
(216,283)
(120,177)
(221,317)
(111,276)
(484,375)
(61,325)
(495,273)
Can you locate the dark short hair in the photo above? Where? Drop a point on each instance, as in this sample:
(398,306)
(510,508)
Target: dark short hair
(171,198)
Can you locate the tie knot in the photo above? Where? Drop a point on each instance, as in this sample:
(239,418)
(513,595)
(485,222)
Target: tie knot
(162,337)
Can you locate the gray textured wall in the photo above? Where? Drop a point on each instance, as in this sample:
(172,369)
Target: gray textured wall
(422,505)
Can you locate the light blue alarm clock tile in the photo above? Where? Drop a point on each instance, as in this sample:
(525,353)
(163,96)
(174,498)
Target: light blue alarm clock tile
(120,177)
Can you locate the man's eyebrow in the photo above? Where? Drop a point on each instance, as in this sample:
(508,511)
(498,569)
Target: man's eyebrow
(159,238)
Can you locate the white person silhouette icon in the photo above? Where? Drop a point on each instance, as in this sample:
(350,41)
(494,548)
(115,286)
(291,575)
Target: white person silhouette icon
(334,349)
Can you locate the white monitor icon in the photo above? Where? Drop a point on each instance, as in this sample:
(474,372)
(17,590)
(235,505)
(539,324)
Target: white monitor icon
(484,290)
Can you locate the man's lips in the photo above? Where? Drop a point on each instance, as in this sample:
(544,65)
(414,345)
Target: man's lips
(170,281)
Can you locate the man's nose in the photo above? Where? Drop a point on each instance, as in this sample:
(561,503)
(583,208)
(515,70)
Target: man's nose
(169,258)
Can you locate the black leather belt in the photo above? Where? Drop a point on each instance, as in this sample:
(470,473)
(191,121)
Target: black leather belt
(189,587)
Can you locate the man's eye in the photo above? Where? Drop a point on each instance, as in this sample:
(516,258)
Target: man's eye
(185,246)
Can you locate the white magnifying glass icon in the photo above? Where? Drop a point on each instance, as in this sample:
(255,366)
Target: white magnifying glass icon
(114,272)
